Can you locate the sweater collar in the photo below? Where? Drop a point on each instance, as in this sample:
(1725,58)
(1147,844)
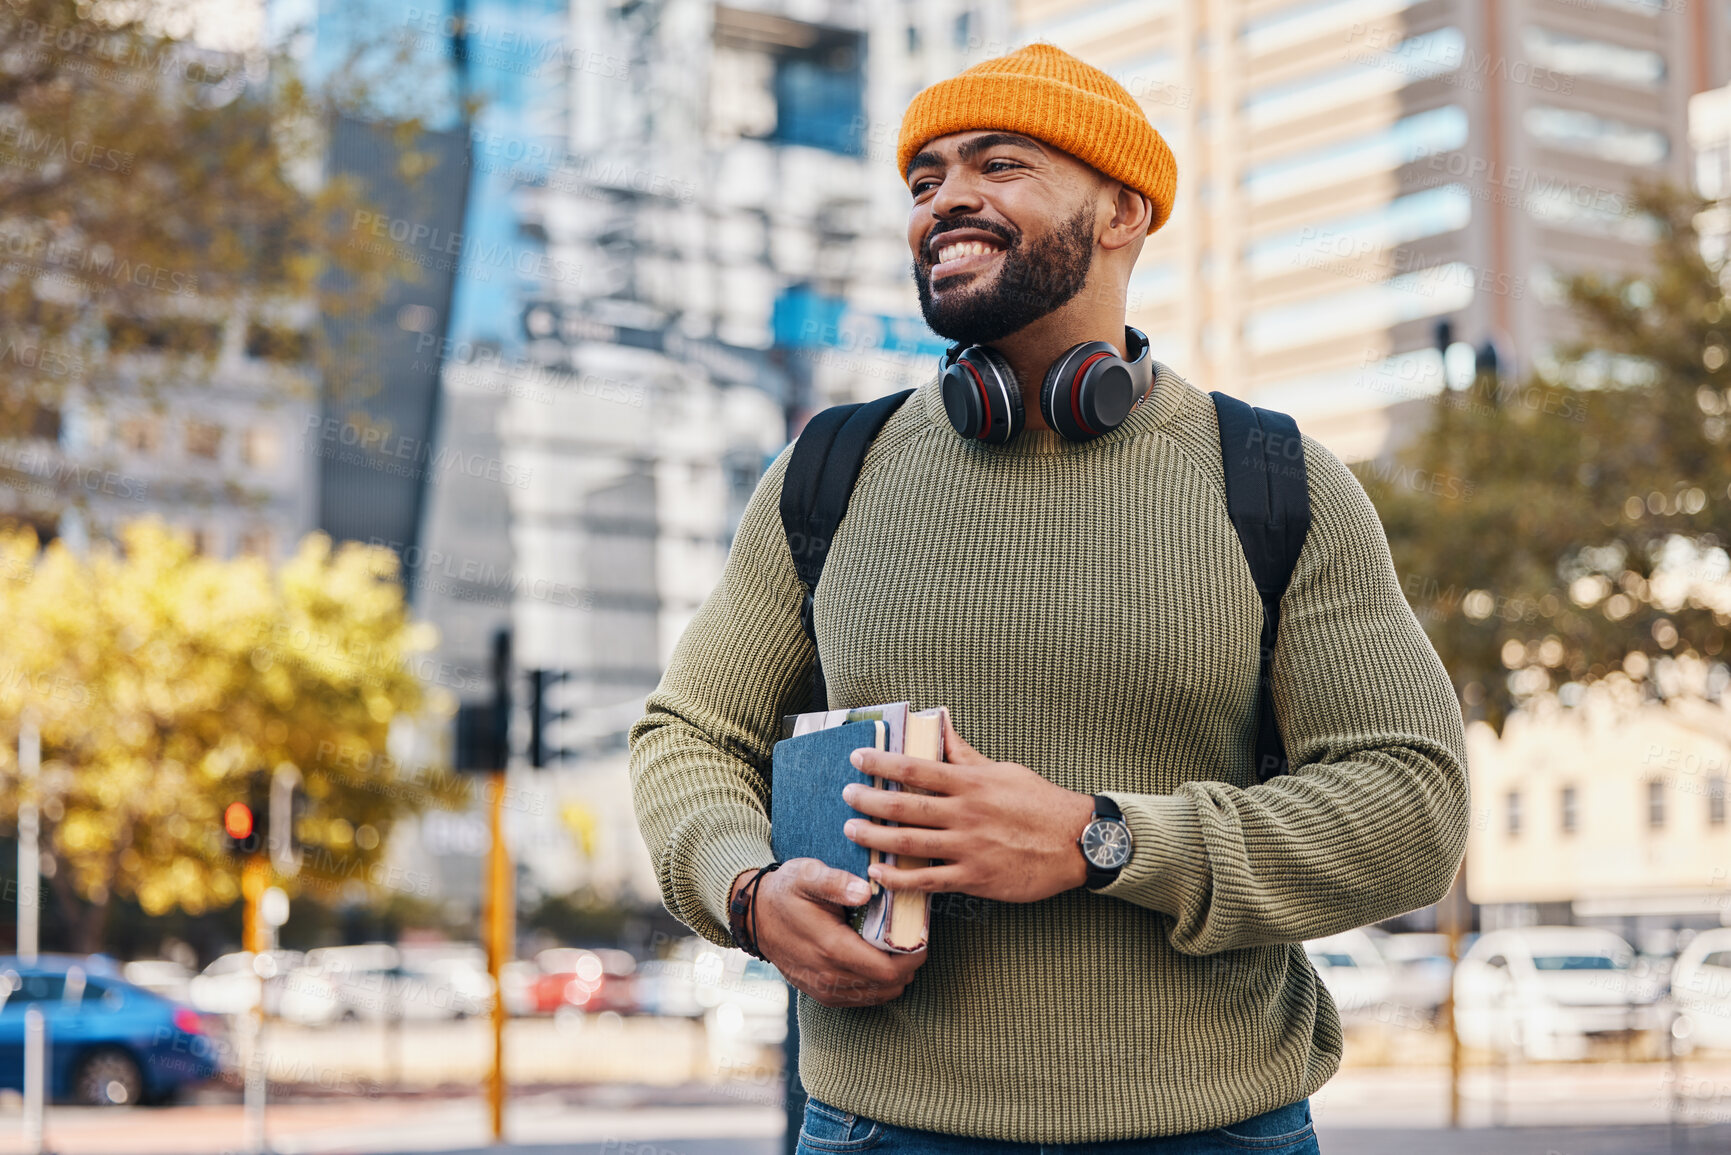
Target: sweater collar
(1158,407)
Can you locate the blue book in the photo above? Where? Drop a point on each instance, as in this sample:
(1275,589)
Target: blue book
(806,809)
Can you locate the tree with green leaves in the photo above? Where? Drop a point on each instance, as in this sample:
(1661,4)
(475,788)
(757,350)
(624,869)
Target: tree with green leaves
(1581,538)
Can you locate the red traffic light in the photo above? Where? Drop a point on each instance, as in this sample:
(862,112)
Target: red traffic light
(237,821)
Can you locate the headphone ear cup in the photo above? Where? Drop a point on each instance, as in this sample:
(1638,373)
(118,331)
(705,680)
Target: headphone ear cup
(1005,394)
(1062,393)
(981,397)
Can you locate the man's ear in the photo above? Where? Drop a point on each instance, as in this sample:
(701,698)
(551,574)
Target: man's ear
(1132,213)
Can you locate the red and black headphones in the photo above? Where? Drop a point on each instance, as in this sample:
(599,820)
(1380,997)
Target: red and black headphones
(1088,391)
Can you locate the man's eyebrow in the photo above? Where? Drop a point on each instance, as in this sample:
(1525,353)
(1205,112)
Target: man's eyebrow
(966,150)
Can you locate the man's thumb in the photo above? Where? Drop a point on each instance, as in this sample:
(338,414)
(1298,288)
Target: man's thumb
(826,884)
(956,747)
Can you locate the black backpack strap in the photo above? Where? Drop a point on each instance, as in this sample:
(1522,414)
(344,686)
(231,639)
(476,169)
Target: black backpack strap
(1268,499)
(815,491)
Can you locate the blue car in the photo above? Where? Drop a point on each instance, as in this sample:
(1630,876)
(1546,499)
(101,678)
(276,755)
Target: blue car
(109,1043)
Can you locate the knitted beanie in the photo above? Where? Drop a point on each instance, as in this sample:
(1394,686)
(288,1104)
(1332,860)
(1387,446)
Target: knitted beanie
(1044,92)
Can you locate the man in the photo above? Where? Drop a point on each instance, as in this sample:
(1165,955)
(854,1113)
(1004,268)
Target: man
(1085,610)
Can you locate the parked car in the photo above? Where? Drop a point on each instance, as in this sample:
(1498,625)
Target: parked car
(745,1005)
(372,982)
(111,1043)
(230,984)
(164,977)
(1419,973)
(1546,992)
(1701,991)
(1352,969)
(589,980)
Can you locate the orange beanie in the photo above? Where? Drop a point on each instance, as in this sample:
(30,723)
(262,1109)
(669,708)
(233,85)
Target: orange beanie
(1044,92)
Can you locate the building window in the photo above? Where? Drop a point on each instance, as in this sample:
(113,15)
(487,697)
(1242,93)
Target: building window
(1716,800)
(203,439)
(1571,808)
(256,542)
(1600,59)
(140,434)
(261,447)
(1607,139)
(1655,805)
(820,95)
(1513,812)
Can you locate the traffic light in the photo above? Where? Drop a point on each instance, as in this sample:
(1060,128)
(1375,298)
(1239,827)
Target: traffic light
(242,827)
(542,716)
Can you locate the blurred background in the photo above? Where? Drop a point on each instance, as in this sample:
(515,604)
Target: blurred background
(380,385)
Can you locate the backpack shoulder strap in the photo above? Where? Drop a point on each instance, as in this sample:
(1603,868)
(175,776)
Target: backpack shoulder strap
(815,492)
(1268,500)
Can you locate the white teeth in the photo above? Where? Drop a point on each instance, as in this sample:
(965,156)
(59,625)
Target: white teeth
(963,249)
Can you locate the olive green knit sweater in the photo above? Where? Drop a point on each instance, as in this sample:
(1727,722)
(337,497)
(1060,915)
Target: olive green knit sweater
(1085,610)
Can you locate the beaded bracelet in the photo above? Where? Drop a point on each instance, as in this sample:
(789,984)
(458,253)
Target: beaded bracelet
(742,914)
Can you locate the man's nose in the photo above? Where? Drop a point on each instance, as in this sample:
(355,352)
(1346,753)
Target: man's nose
(956,194)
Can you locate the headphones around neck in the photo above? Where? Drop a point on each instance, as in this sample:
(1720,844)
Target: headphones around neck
(1088,391)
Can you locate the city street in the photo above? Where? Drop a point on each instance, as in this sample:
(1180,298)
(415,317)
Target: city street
(1603,1109)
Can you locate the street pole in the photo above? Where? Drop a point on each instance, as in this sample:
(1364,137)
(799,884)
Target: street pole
(35,1071)
(500,898)
(1456,894)
(255,878)
(29,855)
(499,903)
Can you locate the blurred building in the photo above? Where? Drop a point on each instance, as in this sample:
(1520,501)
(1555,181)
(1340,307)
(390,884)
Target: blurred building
(1603,816)
(1354,171)
(209,449)
(725,200)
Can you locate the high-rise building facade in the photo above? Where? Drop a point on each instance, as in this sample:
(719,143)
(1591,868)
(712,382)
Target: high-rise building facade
(1353,172)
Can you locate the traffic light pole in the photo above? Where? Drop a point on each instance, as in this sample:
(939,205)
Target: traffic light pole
(254,878)
(500,896)
(500,900)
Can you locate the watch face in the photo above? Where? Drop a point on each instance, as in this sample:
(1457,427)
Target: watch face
(1106,843)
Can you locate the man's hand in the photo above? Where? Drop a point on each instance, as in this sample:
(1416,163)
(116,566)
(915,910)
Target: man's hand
(801,923)
(1002,831)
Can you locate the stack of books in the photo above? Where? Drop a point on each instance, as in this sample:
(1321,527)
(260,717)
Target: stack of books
(810,767)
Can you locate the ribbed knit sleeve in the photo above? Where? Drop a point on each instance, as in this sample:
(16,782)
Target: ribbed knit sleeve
(700,754)
(1373,820)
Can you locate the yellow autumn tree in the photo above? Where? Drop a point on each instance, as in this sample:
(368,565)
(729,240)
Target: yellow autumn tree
(161,681)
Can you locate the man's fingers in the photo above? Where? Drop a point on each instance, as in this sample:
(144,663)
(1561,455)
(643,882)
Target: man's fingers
(921,773)
(902,806)
(915,841)
(820,883)
(925,879)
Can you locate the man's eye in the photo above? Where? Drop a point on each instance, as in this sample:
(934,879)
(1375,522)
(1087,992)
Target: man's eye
(921,186)
(991,163)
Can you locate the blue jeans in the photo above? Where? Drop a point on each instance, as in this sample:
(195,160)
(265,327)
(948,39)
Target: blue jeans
(832,1131)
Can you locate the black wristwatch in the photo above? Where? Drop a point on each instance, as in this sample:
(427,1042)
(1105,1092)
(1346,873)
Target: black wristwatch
(1105,843)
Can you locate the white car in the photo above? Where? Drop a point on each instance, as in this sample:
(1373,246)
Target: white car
(373,982)
(1420,974)
(1353,970)
(1701,991)
(1547,991)
(230,984)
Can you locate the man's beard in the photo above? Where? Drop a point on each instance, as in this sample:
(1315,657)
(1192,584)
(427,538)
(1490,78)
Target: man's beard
(1032,280)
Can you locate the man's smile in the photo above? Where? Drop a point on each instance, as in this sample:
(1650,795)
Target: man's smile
(963,251)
